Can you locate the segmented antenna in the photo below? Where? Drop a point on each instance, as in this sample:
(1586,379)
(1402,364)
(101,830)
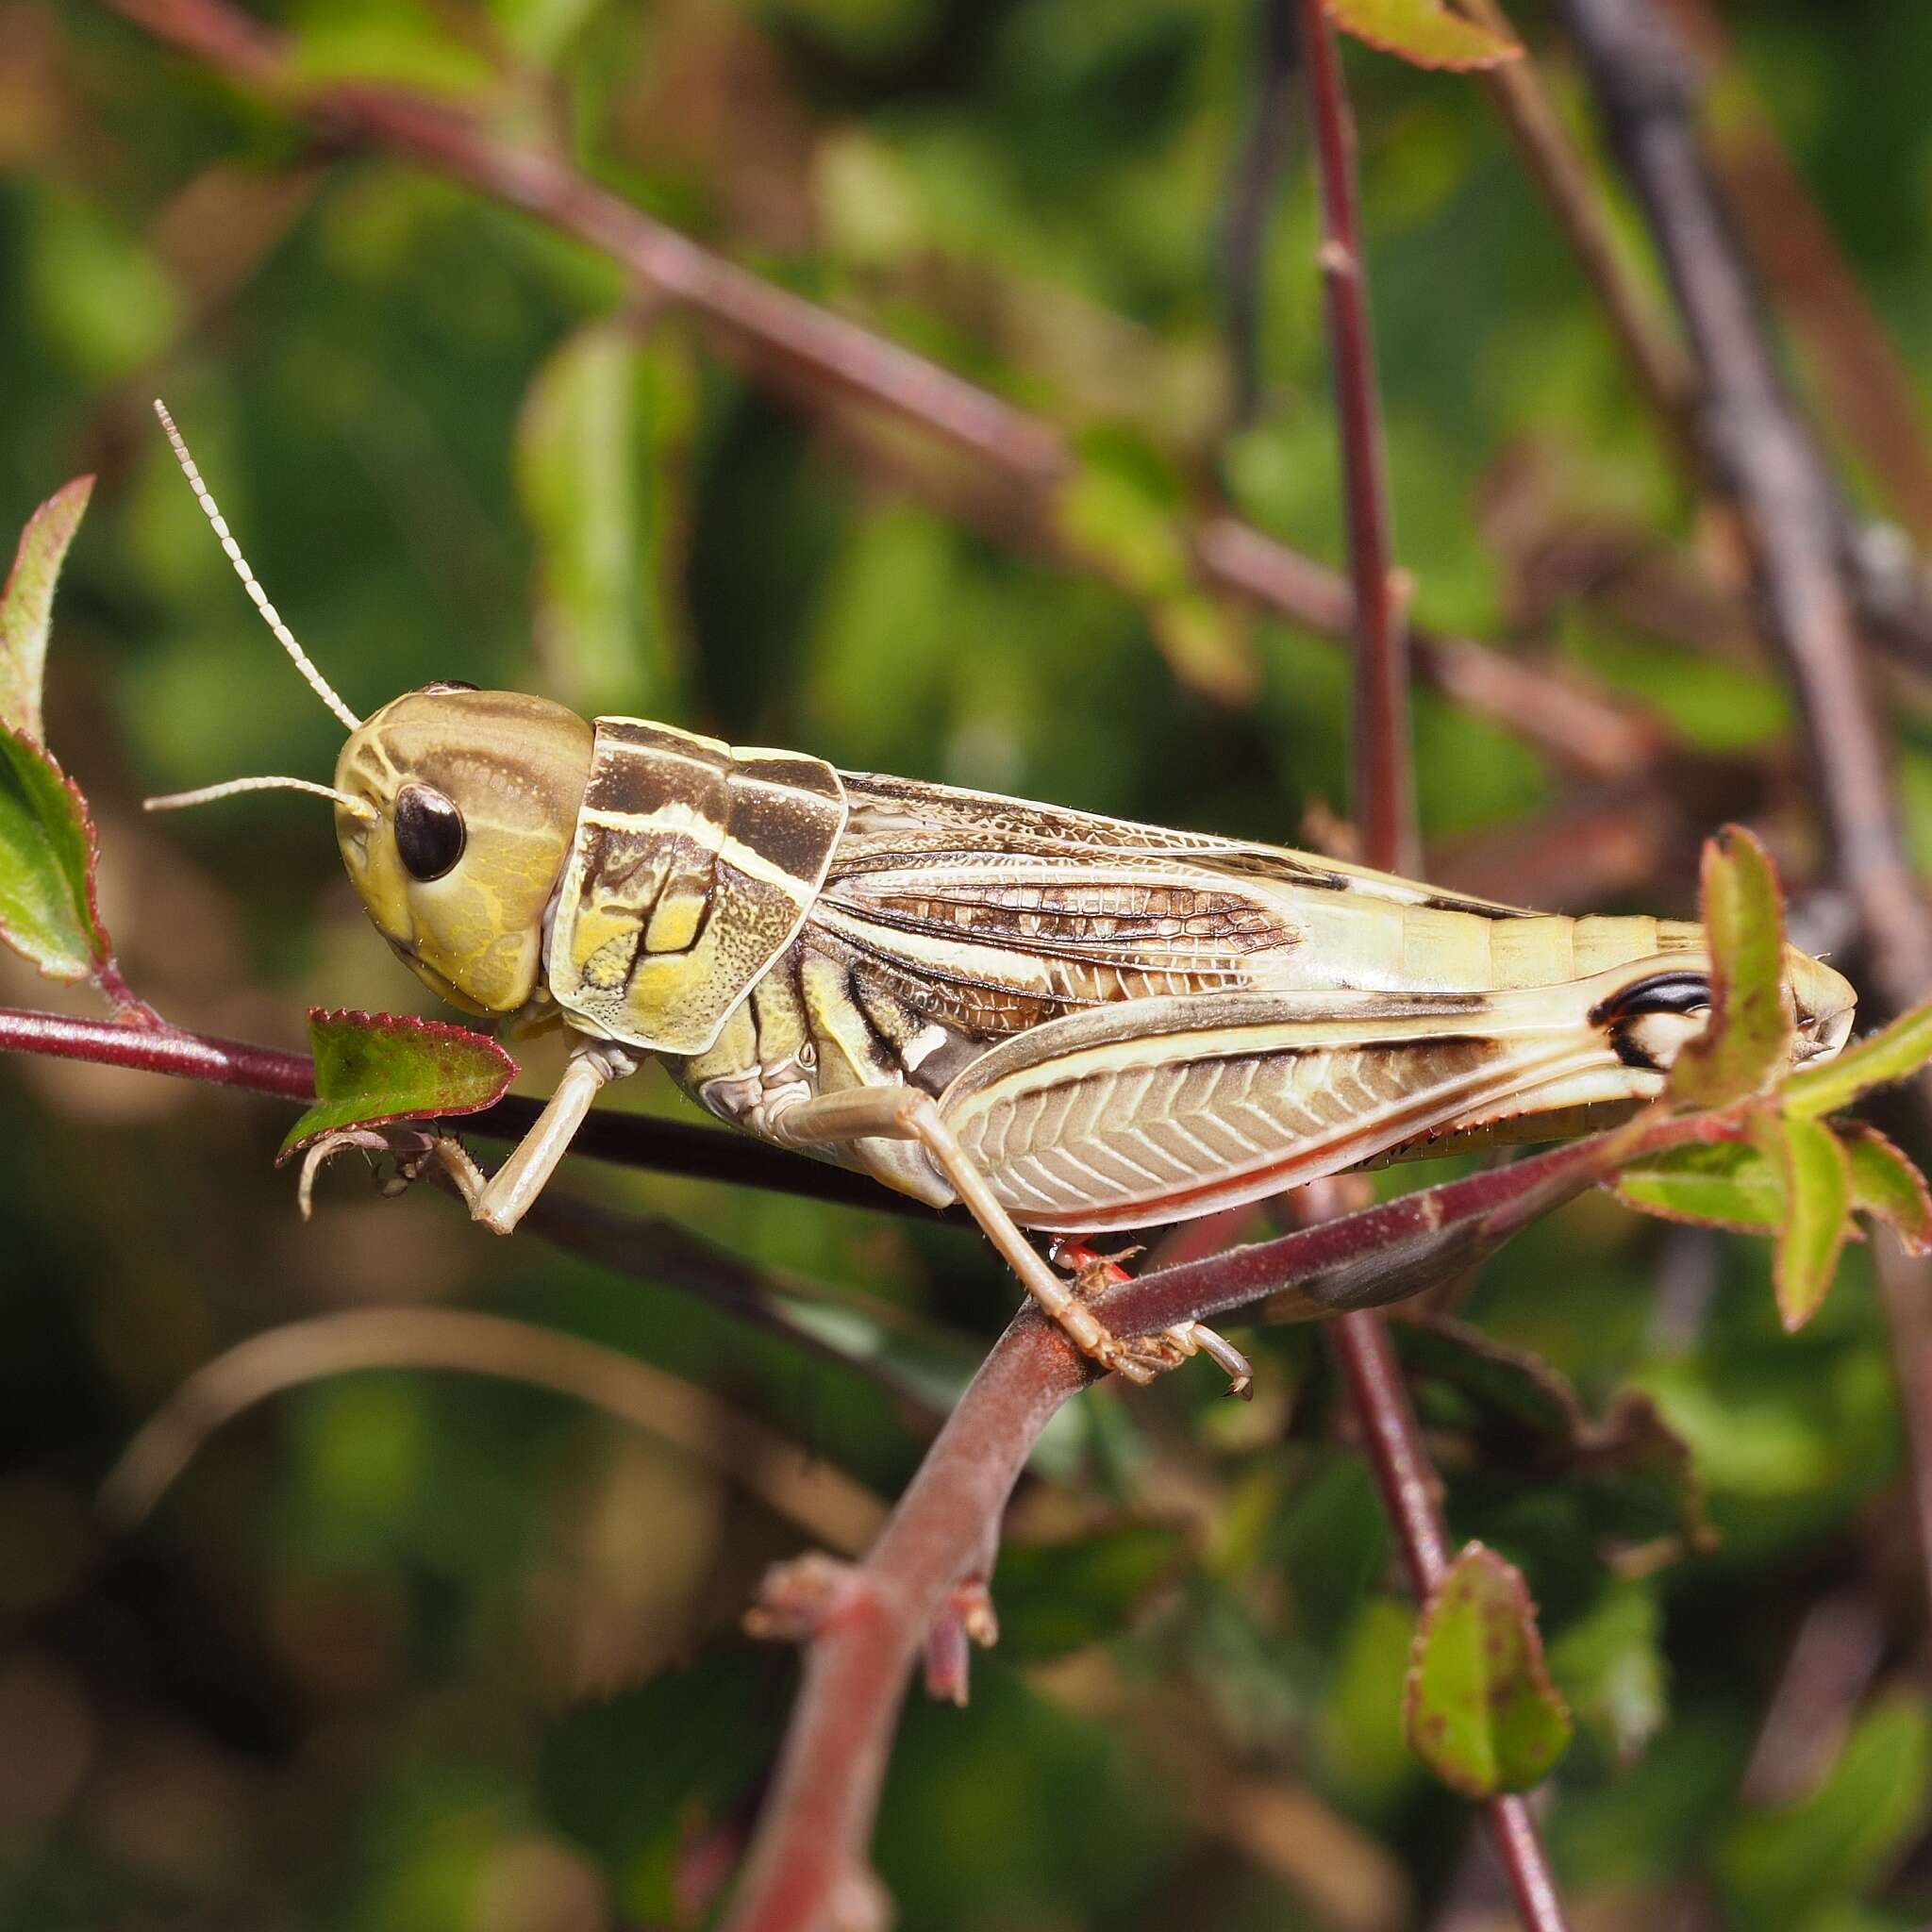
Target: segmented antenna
(271,616)
(174,801)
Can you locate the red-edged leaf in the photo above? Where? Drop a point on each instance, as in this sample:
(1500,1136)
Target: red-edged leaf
(1748,1042)
(1480,1710)
(27,604)
(1816,1176)
(47,853)
(1710,1184)
(372,1069)
(1423,32)
(1887,1186)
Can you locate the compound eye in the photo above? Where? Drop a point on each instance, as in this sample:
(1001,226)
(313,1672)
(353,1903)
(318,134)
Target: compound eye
(1663,992)
(429,832)
(441,685)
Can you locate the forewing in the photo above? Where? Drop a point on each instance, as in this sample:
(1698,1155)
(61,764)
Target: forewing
(998,914)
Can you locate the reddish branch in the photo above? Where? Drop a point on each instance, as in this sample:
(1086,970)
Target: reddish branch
(806,352)
(809,1867)
(1383,810)
(1383,785)
(629,1140)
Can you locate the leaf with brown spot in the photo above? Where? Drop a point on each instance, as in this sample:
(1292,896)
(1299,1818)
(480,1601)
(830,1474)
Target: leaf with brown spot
(1480,1710)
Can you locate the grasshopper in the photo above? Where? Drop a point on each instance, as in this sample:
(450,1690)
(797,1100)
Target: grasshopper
(1067,1022)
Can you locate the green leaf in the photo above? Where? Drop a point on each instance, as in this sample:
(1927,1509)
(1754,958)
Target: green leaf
(1748,1042)
(47,852)
(1610,1666)
(600,459)
(1893,1054)
(1816,1176)
(1480,1708)
(1887,1186)
(1728,1184)
(1058,1598)
(27,604)
(374,1068)
(1423,32)
(1783,1867)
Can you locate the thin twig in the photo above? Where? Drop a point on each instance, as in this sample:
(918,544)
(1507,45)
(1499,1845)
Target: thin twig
(1888,586)
(1259,167)
(626,1139)
(826,1503)
(1655,356)
(802,351)
(1384,811)
(1382,783)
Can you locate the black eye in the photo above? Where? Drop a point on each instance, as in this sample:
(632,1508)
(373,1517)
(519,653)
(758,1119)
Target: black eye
(441,685)
(429,832)
(1663,992)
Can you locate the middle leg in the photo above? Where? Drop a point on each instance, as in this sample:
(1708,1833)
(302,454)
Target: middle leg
(904,1113)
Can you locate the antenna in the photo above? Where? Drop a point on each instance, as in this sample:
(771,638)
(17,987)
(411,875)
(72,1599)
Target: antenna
(175,801)
(271,616)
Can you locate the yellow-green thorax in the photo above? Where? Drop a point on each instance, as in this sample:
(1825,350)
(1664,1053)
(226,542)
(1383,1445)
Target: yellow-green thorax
(491,780)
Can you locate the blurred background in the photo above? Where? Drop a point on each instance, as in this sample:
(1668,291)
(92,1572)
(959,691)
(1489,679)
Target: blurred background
(424,1646)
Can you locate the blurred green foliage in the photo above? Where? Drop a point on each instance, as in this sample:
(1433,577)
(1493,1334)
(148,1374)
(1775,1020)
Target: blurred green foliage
(409,1650)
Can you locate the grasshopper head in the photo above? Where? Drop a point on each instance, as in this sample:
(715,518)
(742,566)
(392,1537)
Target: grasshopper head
(1823,1003)
(455,810)
(461,808)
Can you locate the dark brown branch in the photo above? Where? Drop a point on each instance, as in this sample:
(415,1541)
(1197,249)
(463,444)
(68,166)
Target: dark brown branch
(802,350)
(1867,391)
(1891,590)
(810,1851)
(1756,447)
(1760,451)
(1655,356)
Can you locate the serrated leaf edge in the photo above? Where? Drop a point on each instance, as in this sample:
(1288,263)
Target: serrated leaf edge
(295,1141)
(98,941)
